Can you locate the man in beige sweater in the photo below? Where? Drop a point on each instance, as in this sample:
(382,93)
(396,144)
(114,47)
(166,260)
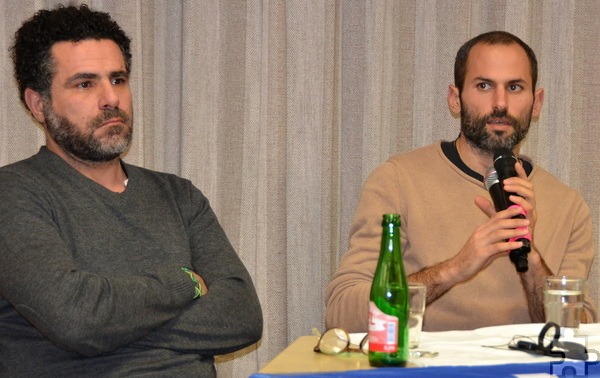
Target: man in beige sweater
(453,240)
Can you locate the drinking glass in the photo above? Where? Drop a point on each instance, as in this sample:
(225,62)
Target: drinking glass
(563,302)
(417,296)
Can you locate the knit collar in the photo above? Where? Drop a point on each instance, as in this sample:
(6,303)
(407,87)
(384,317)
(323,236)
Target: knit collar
(449,149)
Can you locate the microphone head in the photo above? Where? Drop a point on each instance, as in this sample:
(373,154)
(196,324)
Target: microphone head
(504,152)
(491,182)
(504,162)
(490,178)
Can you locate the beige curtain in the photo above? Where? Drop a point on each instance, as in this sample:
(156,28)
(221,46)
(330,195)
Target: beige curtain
(279,109)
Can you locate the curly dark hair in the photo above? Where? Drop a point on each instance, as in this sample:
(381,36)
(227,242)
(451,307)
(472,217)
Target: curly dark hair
(31,52)
(491,38)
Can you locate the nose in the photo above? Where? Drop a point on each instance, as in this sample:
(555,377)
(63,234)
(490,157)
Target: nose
(109,98)
(499,99)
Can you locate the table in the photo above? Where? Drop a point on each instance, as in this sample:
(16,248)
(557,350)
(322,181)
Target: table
(480,352)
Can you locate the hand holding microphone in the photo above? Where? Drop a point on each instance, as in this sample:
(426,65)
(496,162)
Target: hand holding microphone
(503,168)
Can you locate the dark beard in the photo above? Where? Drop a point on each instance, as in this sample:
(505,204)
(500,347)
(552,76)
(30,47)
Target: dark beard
(84,145)
(476,134)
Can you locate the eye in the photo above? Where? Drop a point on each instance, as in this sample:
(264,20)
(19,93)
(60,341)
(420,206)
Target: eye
(84,84)
(515,87)
(484,85)
(119,80)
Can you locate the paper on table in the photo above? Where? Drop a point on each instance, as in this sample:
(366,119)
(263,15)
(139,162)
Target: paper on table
(475,347)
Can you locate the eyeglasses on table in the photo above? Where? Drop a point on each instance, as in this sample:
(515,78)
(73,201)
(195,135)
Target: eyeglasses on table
(337,340)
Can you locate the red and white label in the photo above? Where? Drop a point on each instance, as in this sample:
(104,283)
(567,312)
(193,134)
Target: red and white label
(383,331)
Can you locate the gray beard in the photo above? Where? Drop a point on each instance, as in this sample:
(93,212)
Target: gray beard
(85,146)
(476,134)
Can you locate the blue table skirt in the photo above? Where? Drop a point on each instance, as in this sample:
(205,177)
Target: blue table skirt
(559,368)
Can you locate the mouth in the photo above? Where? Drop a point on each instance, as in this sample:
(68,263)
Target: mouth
(499,124)
(112,122)
(111,119)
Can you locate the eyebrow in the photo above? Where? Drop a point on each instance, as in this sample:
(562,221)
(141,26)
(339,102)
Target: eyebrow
(513,81)
(93,76)
(81,76)
(119,74)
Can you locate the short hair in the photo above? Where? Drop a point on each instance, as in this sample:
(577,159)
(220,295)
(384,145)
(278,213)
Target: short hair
(31,51)
(490,38)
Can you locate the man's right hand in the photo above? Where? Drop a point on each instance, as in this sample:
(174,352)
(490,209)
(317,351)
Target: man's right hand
(201,282)
(485,243)
(489,239)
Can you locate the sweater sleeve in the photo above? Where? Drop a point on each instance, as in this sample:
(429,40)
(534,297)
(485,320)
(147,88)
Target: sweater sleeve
(229,316)
(579,252)
(75,309)
(348,291)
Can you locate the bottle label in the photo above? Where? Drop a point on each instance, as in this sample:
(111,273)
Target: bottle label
(383,331)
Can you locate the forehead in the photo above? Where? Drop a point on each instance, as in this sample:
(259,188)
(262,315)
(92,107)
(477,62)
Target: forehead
(92,56)
(498,62)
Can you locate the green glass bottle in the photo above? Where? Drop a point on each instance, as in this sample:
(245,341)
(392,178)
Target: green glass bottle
(388,306)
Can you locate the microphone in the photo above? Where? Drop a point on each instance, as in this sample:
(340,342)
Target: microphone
(504,167)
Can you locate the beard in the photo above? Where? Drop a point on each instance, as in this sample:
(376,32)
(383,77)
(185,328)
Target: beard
(474,129)
(84,145)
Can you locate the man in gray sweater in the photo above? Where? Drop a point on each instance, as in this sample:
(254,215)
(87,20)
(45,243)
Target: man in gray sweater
(106,269)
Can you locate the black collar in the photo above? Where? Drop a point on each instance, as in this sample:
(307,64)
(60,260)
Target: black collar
(449,149)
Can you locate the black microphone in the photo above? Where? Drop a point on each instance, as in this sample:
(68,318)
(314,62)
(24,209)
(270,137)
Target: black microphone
(504,167)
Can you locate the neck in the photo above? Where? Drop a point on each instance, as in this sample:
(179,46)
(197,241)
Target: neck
(474,158)
(109,174)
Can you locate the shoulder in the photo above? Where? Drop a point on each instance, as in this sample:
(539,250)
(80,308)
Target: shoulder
(171,185)
(545,180)
(25,164)
(30,171)
(417,155)
(147,175)
(424,159)
(409,169)
(550,189)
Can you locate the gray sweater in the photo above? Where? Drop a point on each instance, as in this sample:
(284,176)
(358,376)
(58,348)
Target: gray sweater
(90,280)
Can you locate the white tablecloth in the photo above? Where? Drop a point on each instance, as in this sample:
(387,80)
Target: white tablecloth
(489,345)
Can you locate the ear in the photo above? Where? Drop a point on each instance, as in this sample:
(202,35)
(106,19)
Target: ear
(538,100)
(35,103)
(454,101)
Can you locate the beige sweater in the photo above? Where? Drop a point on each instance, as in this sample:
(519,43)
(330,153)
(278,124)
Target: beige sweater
(435,200)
